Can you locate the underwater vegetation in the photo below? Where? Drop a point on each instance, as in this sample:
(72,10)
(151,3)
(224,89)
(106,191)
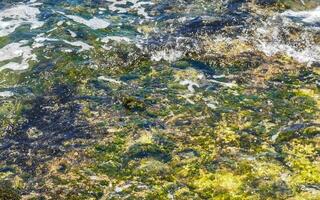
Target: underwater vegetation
(137,99)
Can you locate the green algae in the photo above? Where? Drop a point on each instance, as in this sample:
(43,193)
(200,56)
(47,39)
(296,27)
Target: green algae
(229,179)
(4,41)
(232,155)
(11,115)
(7,192)
(152,137)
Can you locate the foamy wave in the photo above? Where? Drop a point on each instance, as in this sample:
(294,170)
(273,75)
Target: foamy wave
(16,50)
(120,6)
(12,18)
(277,35)
(310,17)
(40,39)
(6,94)
(169,55)
(94,23)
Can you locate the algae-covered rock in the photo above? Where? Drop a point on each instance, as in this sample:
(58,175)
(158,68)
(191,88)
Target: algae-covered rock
(159,100)
(133,104)
(7,192)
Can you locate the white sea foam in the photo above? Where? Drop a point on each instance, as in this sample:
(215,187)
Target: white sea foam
(6,94)
(40,39)
(116,38)
(191,84)
(272,36)
(13,17)
(169,55)
(230,85)
(121,39)
(119,6)
(111,80)
(311,16)
(306,55)
(16,50)
(73,34)
(94,23)
(60,23)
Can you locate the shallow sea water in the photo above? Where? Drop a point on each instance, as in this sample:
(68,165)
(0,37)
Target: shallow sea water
(132,99)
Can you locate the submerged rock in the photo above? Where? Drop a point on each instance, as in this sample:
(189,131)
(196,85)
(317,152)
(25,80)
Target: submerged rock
(138,99)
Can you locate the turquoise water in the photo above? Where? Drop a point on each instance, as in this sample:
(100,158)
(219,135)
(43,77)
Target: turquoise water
(159,99)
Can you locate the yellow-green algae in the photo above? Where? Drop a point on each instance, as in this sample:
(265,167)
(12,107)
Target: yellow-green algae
(226,123)
(196,152)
